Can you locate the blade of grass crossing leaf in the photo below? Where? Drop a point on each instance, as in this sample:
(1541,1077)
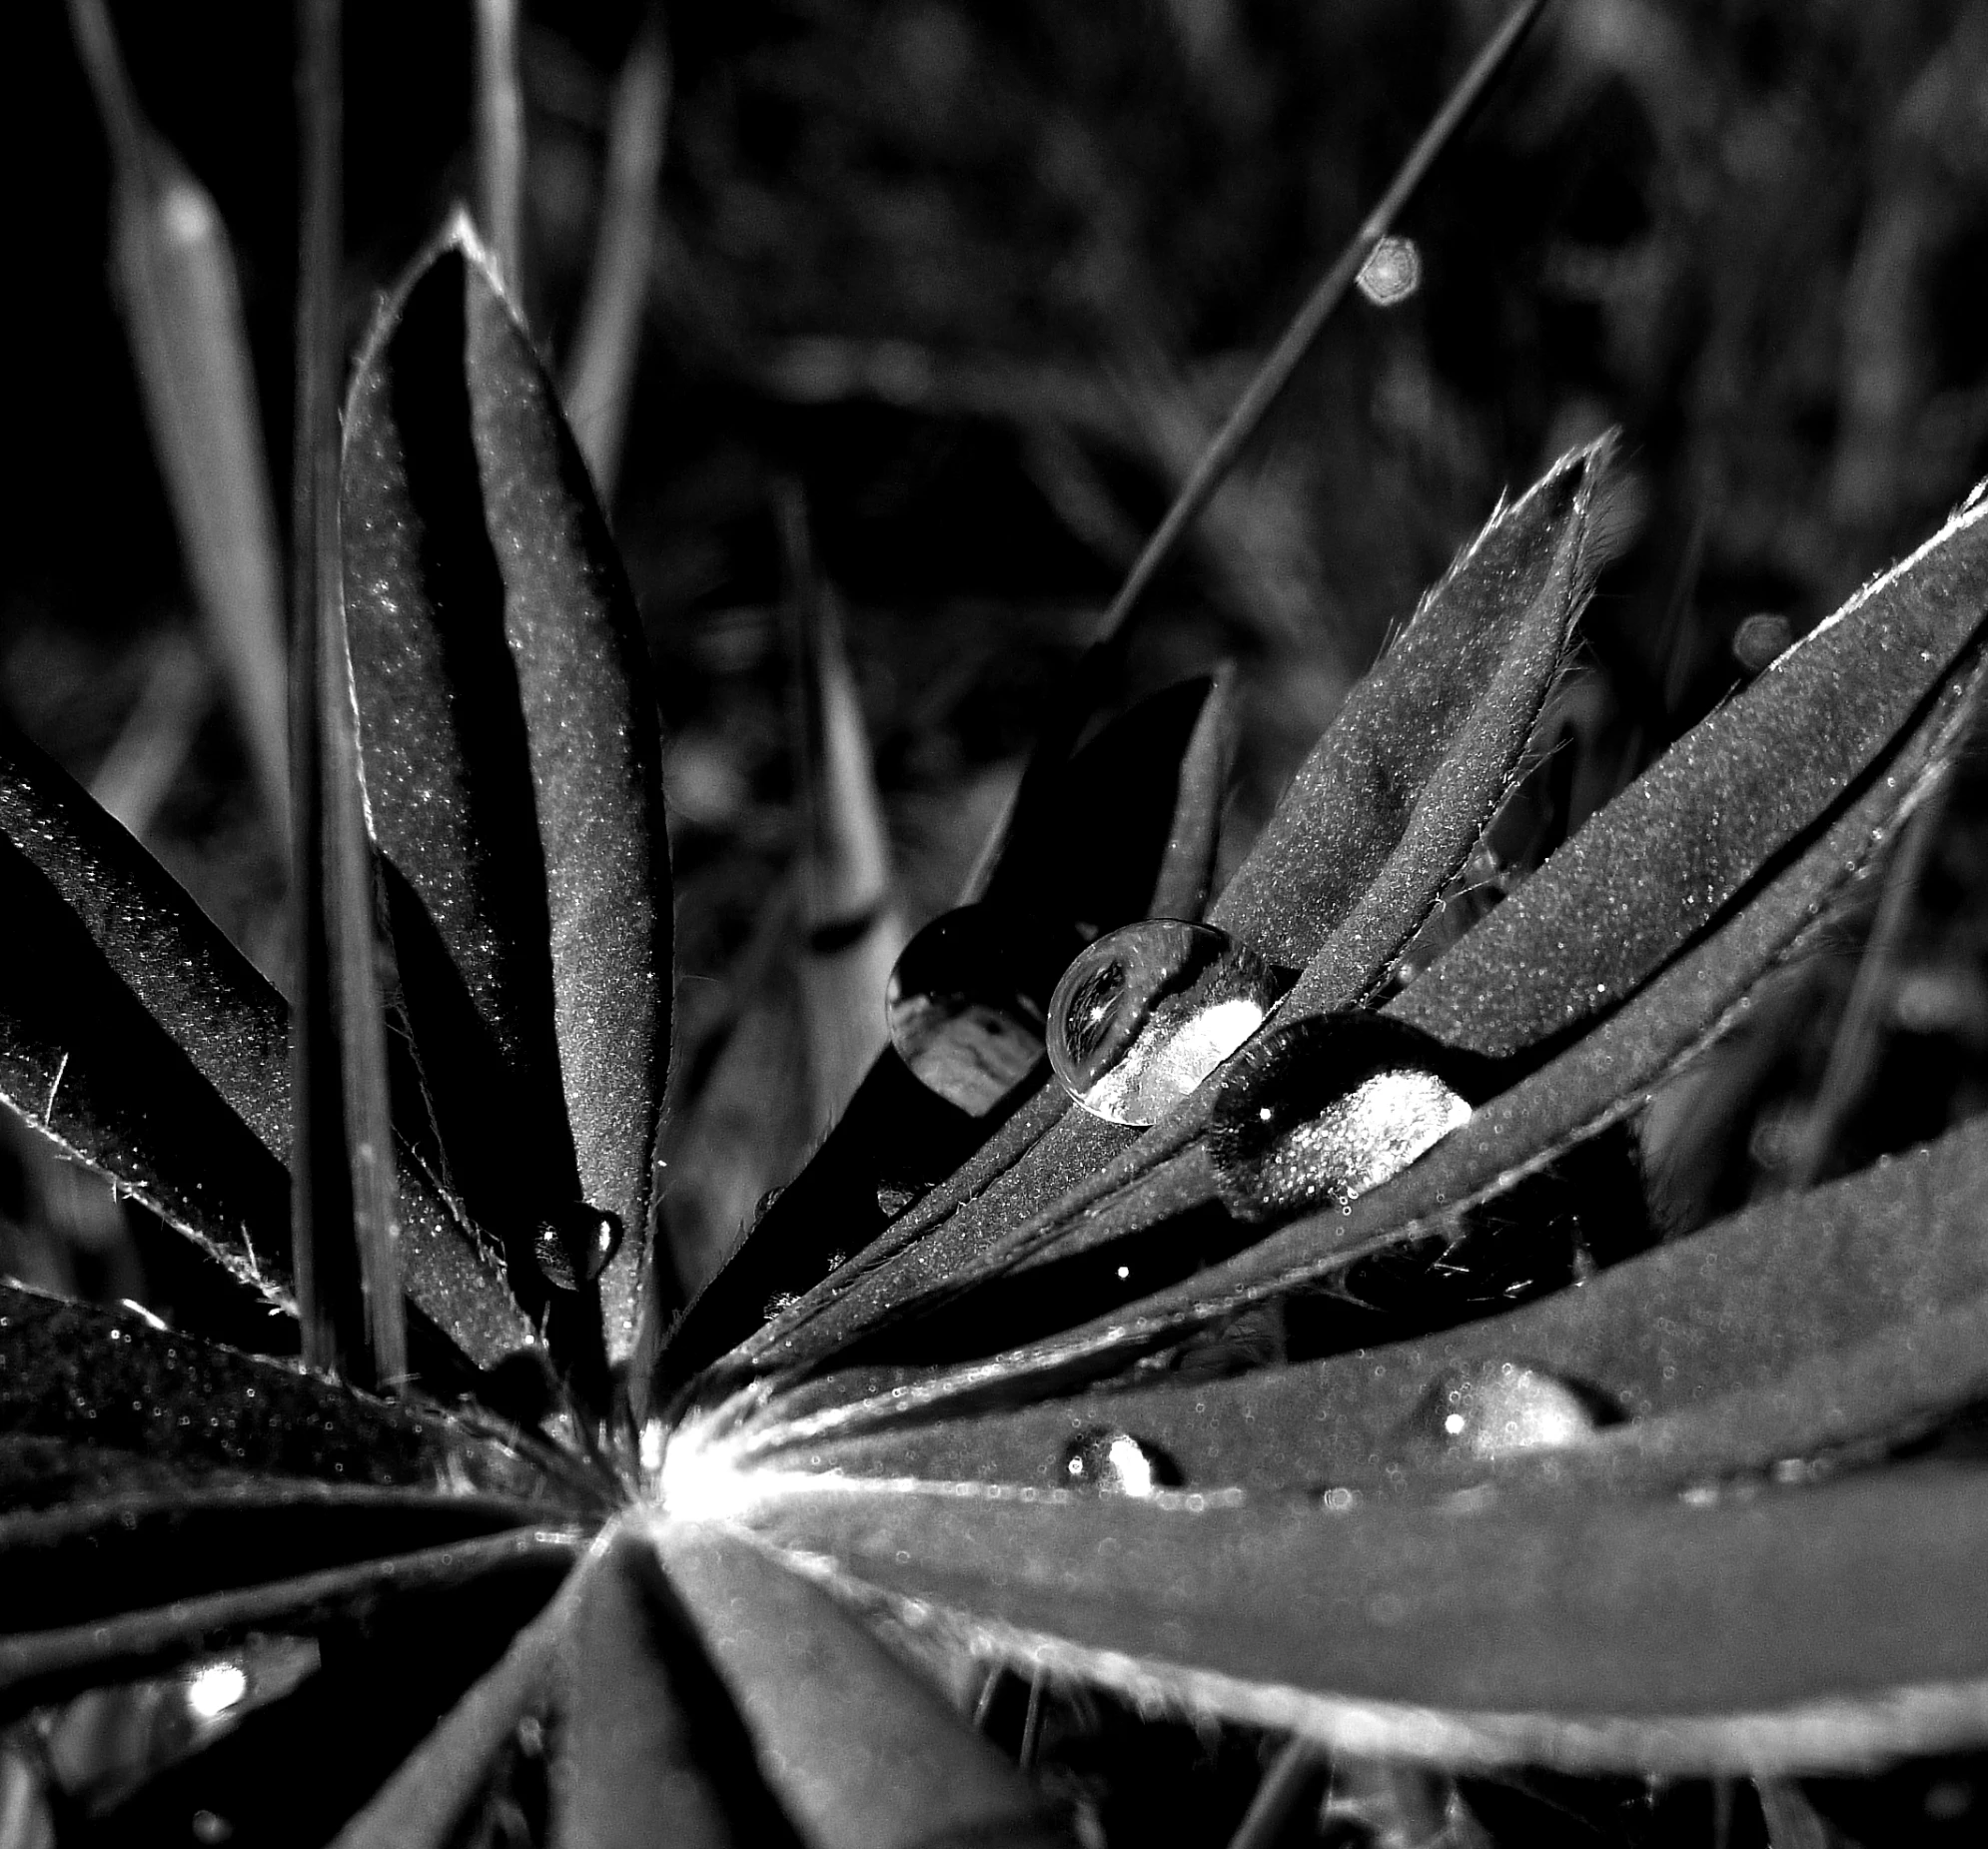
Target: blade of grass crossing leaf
(1294,342)
(343,1205)
(601,374)
(851,933)
(1101,662)
(181,307)
(1853,1054)
(499,138)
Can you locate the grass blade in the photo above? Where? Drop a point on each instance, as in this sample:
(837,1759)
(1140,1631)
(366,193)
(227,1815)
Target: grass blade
(183,309)
(499,138)
(342,1210)
(601,374)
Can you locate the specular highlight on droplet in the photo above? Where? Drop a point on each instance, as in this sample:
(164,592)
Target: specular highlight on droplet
(1501,1408)
(966,1002)
(1147,1011)
(1117,1463)
(1318,1111)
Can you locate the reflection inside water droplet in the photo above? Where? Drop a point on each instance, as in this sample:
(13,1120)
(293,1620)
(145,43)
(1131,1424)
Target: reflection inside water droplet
(1148,1012)
(1117,1463)
(572,1244)
(965,1004)
(1501,1408)
(1321,1110)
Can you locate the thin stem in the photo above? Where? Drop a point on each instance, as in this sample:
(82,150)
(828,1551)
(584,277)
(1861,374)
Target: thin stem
(1854,1053)
(1277,1796)
(343,1181)
(501,140)
(1276,372)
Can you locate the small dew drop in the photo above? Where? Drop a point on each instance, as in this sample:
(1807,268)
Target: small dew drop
(1391,273)
(1146,1013)
(1501,1409)
(966,1002)
(1117,1463)
(572,1244)
(216,1687)
(1318,1111)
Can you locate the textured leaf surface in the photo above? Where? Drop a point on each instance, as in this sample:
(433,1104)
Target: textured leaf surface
(114,1382)
(1377,821)
(126,1101)
(1661,862)
(513,766)
(1785,1629)
(42,1665)
(1395,796)
(1159,771)
(1584,1088)
(863,1753)
(1851,1315)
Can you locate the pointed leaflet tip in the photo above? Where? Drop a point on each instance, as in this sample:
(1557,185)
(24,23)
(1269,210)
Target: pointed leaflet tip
(513,768)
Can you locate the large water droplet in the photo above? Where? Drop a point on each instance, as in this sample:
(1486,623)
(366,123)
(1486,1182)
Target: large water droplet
(574,1244)
(1117,1463)
(1500,1408)
(966,1003)
(1148,1012)
(1321,1110)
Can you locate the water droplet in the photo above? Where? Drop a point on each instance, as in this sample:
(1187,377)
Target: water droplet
(1392,272)
(1502,1408)
(1148,1012)
(572,1246)
(1117,1463)
(966,1003)
(1321,1110)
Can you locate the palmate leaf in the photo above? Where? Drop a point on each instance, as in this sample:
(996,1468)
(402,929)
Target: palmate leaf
(667,1629)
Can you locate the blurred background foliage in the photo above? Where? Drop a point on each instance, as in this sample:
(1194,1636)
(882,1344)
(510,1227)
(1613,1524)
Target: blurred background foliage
(935,305)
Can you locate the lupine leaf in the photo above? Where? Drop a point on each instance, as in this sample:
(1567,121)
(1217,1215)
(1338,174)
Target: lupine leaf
(1376,824)
(1790,1628)
(1850,1315)
(427,1798)
(861,1751)
(1395,794)
(42,1665)
(1586,1087)
(649,1742)
(1661,862)
(513,769)
(1158,770)
(111,1381)
(225,1021)
(292,1770)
